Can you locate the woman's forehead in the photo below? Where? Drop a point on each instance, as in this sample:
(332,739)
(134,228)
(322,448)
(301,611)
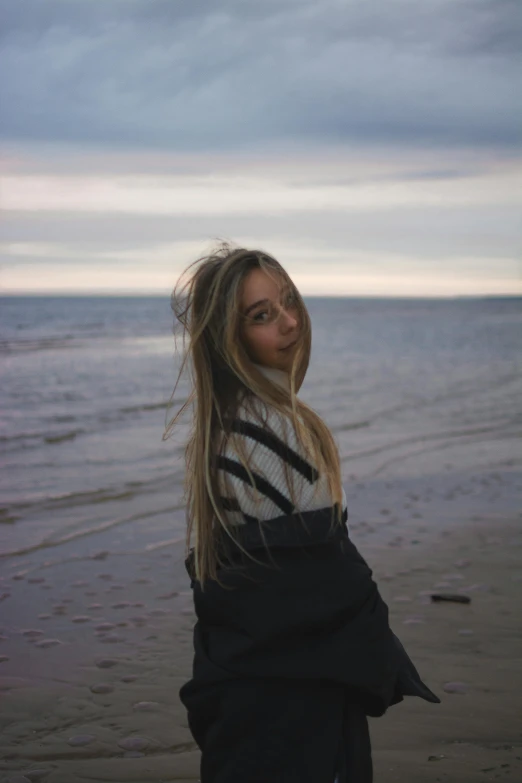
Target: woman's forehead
(262,284)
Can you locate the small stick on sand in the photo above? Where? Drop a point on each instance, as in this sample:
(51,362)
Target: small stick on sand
(455,598)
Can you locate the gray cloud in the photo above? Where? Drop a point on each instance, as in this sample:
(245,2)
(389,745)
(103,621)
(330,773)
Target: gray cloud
(421,233)
(235,75)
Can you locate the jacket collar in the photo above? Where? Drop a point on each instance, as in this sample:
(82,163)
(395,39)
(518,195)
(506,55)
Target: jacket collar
(279,377)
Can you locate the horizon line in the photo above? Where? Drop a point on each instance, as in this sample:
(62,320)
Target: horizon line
(157,295)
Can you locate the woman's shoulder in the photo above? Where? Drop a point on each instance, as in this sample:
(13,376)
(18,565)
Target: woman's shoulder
(267,437)
(261,419)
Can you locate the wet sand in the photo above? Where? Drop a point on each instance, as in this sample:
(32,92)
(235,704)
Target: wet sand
(94,648)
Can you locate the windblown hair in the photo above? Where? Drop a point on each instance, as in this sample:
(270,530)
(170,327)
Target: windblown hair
(206,301)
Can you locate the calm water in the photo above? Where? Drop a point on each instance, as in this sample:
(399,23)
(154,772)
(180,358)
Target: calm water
(85,384)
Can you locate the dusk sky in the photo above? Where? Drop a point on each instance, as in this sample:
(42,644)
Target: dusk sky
(372,146)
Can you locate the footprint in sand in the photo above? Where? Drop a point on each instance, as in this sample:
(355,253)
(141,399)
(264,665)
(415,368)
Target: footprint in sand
(137,743)
(44,644)
(112,638)
(32,634)
(79,740)
(101,687)
(106,663)
(146,706)
(455,687)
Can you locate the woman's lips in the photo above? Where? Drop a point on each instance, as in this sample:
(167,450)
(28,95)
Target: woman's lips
(290,345)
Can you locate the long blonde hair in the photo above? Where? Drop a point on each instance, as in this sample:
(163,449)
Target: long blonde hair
(206,301)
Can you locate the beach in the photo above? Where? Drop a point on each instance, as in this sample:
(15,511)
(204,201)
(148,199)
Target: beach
(92,668)
(96,614)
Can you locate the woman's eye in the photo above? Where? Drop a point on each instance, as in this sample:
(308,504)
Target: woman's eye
(261,316)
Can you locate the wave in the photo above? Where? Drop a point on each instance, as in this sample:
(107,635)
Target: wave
(446,437)
(90,497)
(33,440)
(151,406)
(26,345)
(49,542)
(64,436)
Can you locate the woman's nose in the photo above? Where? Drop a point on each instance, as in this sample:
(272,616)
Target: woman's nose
(288,320)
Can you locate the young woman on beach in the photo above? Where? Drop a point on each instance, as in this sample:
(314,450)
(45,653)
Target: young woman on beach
(292,646)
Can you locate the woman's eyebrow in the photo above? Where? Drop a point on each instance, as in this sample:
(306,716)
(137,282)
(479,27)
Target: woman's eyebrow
(256,304)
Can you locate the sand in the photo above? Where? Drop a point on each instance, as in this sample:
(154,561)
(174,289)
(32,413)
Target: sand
(93,650)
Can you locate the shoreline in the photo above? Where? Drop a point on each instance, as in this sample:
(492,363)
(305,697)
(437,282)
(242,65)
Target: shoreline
(102,703)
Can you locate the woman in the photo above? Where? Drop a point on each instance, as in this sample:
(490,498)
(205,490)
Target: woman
(292,647)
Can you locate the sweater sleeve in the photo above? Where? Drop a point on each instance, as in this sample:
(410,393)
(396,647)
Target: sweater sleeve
(280,478)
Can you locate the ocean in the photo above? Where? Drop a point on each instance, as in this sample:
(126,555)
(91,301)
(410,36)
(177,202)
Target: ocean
(86,384)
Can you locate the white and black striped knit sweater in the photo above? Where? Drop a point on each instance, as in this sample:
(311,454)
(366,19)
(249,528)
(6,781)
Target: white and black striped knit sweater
(268,450)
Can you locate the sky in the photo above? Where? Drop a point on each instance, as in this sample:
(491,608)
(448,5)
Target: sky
(372,146)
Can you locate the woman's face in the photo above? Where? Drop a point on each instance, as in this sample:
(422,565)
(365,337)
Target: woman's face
(270,320)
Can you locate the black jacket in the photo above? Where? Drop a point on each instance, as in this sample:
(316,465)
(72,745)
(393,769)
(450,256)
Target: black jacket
(288,664)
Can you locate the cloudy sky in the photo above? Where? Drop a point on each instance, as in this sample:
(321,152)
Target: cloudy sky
(373,146)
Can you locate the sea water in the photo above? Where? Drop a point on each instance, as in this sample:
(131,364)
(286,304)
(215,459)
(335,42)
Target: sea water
(87,388)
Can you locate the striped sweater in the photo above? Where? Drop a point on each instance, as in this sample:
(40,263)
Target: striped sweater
(285,480)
